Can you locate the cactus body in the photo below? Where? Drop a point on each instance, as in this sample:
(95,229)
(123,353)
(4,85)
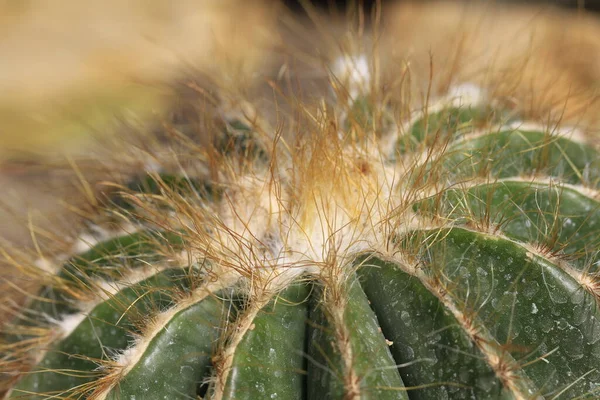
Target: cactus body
(454,256)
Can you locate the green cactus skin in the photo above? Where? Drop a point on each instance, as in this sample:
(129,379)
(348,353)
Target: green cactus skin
(459,262)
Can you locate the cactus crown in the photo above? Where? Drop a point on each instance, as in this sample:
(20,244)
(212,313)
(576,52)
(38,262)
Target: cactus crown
(344,249)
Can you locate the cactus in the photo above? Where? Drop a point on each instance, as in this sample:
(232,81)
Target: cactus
(450,254)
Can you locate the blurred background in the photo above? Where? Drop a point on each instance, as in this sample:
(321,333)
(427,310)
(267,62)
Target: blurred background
(590,5)
(76,74)
(69,67)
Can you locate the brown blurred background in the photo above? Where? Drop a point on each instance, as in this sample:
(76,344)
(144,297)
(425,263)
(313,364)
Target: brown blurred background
(74,72)
(590,5)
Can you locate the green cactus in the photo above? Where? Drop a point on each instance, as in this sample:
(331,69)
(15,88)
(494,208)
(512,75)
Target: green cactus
(455,255)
